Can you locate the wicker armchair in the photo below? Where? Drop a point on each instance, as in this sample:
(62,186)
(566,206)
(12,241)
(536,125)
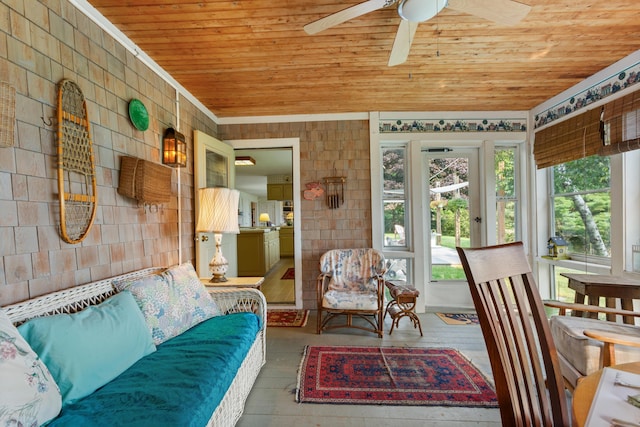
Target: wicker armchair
(351,284)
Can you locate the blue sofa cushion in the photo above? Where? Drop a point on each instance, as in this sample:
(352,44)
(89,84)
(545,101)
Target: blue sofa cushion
(87,349)
(180,384)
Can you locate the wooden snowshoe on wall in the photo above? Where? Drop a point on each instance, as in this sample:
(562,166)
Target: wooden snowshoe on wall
(76,165)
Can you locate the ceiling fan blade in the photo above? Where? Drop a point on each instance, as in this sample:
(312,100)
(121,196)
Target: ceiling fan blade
(402,43)
(345,15)
(504,12)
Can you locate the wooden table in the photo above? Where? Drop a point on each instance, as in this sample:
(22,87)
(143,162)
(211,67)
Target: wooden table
(594,286)
(235,282)
(586,390)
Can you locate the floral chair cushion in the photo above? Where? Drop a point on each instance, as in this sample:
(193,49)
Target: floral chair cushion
(353,269)
(352,284)
(350,300)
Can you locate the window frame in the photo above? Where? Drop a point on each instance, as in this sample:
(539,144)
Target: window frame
(406,199)
(580,256)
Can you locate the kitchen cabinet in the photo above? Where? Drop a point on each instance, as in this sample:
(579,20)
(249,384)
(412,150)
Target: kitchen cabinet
(286,241)
(258,251)
(280,191)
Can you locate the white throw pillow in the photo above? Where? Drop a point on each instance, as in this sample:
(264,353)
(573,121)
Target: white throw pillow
(28,394)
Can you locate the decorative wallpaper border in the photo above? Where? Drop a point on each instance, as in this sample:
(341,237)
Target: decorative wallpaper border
(453,125)
(622,80)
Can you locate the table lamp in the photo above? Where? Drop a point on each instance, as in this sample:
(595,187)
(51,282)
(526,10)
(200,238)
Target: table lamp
(218,214)
(264,217)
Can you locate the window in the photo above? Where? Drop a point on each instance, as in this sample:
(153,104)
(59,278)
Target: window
(394,197)
(581,207)
(398,269)
(507,206)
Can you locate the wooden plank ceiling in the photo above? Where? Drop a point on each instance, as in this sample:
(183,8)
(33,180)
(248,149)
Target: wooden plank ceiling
(252,57)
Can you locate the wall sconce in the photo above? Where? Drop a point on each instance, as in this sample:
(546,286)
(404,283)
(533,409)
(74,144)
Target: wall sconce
(245,161)
(264,217)
(218,214)
(174,149)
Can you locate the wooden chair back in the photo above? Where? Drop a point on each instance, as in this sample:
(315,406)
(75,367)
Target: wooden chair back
(523,357)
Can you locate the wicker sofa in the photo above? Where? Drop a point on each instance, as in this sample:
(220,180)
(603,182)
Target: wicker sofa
(237,307)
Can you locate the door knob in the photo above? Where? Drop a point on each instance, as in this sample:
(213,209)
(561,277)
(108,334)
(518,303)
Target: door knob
(477,219)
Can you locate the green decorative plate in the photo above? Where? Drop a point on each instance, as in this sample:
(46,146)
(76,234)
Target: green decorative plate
(138,114)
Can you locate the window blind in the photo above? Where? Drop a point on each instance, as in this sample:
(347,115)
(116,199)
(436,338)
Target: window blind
(572,139)
(621,125)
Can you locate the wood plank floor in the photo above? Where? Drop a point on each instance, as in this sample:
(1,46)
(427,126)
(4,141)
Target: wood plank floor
(271,402)
(276,290)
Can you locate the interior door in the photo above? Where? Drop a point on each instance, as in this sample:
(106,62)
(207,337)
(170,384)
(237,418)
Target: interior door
(454,209)
(213,167)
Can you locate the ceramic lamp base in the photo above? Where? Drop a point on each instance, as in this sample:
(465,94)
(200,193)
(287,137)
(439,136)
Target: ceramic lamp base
(218,265)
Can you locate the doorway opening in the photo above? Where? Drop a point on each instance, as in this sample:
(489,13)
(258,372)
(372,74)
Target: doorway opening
(270,189)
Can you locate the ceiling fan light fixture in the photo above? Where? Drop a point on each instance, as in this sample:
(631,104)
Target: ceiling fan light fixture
(420,10)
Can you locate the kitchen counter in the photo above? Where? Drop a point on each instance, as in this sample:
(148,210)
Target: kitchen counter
(259,229)
(258,250)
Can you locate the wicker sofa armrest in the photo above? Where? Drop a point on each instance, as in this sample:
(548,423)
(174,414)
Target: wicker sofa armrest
(235,300)
(70,300)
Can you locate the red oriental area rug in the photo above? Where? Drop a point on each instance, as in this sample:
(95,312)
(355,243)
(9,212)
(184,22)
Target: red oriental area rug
(292,318)
(392,376)
(290,274)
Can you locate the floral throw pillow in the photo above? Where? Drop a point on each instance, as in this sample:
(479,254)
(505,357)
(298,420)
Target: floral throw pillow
(28,394)
(171,302)
(195,294)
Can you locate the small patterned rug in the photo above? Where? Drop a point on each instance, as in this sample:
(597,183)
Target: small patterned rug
(290,274)
(290,318)
(391,376)
(459,318)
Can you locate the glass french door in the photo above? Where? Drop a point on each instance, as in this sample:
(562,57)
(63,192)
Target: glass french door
(453,216)
(213,167)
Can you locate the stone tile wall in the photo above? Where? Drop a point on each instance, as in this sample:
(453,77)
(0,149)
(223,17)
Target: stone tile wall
(42,43)
(335,148)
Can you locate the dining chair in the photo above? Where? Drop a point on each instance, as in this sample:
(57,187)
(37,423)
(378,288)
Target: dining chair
(524,362)
(351,284)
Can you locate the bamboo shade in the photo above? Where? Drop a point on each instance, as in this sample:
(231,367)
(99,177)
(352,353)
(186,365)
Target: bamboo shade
(569,140)
(622,124)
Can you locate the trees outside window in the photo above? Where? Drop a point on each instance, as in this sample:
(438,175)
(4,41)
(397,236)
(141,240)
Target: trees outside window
(582,206)
(506,195)
(394,196)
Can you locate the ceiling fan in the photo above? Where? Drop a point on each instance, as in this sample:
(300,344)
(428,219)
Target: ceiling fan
(412,12)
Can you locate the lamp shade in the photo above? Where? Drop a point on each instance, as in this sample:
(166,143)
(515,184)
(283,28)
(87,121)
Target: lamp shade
(218,212)
(264,217)
(174,148)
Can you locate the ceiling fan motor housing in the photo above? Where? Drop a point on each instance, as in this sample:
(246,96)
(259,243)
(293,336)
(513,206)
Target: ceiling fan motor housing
(420,10)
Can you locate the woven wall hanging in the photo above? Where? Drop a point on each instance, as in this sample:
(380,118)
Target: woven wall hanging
(76,165)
